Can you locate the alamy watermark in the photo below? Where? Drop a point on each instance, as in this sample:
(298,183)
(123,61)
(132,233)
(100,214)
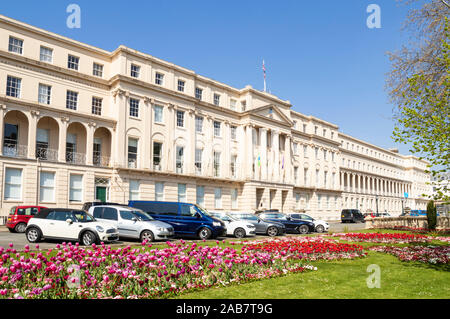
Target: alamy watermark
(74,19)
(374,280)
(374,19)
(73,281)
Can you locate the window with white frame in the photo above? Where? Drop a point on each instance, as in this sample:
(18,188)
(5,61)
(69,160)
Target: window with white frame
(76,188)
(199,124)
(325,177)
(15,45)
(181,85)
(157,156)
(180,118)
(216,129)
(233,104)
(200,196)
(46,55)
(179,159)
(218,198)
(134,107)
(305,151)
(44,93)
(198,93)
(134,189)
(295,147)
(47,186)
(317,177)
(295,174)
(243,106)
(132,152)
(158,116)
(233,132)
(304,128)
(13,184)
(216,99)
(305,176)
(97,105)
(159,78)
(234,198)
(233,167)
(135,71)
(182,193)
(73,62)
(198,161)
(216,164)
(13,86)
(71,100)
(97,70)
(159,191)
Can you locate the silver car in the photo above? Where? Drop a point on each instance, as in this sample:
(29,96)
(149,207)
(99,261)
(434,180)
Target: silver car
(132,222)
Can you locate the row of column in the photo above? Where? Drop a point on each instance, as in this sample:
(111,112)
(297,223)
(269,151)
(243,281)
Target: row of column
(357,183)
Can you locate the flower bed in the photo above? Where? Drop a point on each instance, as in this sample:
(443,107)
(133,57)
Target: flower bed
(308,248)
(398,238)
(445,231)
(425,254)
(104,272)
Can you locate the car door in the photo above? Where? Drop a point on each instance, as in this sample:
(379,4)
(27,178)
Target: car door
(129,225)
(188,220)
(258,223)
(59,227)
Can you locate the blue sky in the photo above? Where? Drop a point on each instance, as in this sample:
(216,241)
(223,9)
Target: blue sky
(320,55)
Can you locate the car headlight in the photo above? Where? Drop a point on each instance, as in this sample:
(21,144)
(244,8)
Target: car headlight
(217,224)
(100,229)
(162,229)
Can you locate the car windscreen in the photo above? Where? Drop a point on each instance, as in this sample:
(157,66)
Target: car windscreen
(83,217)
(142,215)
(13,210)
(204,211)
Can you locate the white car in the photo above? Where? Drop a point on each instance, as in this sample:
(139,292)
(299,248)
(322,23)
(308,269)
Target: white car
(236,227)
(132,222)
(319,225)
(69,224)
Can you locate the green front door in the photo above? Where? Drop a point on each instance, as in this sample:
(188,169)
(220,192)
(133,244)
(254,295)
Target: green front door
(100,193)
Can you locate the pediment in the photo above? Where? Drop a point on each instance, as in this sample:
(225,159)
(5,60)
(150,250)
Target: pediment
(272,112)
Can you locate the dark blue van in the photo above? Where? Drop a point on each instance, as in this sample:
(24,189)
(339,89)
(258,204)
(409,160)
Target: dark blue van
(188,220)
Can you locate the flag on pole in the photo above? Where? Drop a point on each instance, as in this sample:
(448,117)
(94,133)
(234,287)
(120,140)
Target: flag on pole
(264,71)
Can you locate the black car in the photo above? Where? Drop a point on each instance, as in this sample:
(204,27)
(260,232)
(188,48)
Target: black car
(351,216)
(262,227)
(292,225)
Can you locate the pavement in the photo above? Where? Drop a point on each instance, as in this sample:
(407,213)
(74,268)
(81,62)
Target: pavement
(19,240)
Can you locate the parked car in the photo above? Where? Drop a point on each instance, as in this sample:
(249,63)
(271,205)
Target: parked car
(235,227)
(292,226)
(351,215)
(262,227)
(88,205)
(132,222)
(188,220)
(69,224)
(19,216)
(319,225)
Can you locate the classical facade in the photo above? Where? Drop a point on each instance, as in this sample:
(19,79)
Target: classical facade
(80,123)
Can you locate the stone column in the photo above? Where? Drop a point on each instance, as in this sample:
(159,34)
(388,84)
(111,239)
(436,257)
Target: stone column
(32,132)
(276,162)
(287,160)
(249,151)
(2,124)
(263,152)
(90,143)
(64,122)
(191,142)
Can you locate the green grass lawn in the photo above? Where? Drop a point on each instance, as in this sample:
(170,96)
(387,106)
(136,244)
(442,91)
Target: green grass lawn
(344,279)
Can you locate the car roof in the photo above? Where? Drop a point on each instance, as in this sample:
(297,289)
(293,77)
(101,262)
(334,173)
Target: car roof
(43,213)
(116,206)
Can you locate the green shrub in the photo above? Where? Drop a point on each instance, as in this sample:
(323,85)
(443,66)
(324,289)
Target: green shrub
(431,215)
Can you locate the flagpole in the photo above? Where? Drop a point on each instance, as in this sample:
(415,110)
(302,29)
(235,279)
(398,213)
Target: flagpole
(264,69)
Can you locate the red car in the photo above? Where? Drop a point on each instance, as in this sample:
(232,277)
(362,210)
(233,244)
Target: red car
(19,216)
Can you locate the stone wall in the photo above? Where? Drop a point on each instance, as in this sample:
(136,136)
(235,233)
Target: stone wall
(414,222)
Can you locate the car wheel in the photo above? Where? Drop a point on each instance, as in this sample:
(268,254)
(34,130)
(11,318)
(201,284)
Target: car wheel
(204,233)
(320,229)
(147,235)
(239,233)
(272,231)
(88,238)
(33,235)
(20,228)
(303,229)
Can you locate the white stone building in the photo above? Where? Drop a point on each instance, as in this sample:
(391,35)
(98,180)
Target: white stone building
(81,123)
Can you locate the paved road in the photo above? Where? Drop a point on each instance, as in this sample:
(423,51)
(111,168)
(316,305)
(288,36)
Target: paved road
(19,241)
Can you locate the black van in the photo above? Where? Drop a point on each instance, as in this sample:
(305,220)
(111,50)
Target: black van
(188,220)
(352,216)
